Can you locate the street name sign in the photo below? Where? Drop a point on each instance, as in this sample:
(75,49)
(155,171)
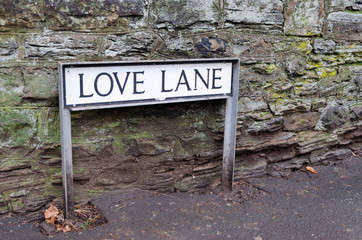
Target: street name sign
(105,85)
(96,85)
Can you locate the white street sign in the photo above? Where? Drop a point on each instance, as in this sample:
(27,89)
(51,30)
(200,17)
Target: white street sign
(107,84)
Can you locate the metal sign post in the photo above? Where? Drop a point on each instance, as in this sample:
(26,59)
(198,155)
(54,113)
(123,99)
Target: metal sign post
(231,114)
(66,145)
(85,86)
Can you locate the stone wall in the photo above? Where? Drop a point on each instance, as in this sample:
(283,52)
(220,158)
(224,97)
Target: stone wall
(300,92)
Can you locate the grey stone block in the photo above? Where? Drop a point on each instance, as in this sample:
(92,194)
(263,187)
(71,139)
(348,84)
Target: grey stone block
(323,46)
(8,49)
(272,125)
(184,13)
(52,46)
(20,14)
(332,116)
(269,12)
(344,25)
(91,14)
(304,17)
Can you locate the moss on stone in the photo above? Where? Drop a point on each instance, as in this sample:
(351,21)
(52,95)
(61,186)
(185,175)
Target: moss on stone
(9,98)
(48,128)
(50,189)
(303,46)
(326,72)
(52,171)
(315,64)
(17,126)
(179,150)
(13,162)
(94,192)
(272,68)
(353,11)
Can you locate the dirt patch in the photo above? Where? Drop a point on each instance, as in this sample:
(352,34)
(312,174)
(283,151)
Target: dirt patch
(86,216)
(242,192)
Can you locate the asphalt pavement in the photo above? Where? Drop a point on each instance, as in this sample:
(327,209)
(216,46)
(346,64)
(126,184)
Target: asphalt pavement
(326,205)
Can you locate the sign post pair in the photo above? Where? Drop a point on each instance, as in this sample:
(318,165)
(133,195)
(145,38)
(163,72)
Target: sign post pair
(85,86)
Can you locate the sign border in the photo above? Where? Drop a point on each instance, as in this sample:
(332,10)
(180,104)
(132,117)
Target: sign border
(116,104)
(230,122)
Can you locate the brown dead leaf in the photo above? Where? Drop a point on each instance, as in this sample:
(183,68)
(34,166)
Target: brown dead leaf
(51,220)
(52,211)
(59,227)
(310,169)
(66,228)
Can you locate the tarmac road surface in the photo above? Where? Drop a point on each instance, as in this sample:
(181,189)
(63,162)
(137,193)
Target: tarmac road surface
(326,205)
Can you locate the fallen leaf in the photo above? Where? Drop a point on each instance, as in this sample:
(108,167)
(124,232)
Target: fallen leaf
(310,169)
(58,227)
(66,228)
(52,211)
(52,220)
(122,206)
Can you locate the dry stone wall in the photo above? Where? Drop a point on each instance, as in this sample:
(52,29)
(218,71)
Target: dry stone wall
(300,98)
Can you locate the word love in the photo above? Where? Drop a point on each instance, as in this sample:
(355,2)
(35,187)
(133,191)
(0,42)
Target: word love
(129,83)
(136,82)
